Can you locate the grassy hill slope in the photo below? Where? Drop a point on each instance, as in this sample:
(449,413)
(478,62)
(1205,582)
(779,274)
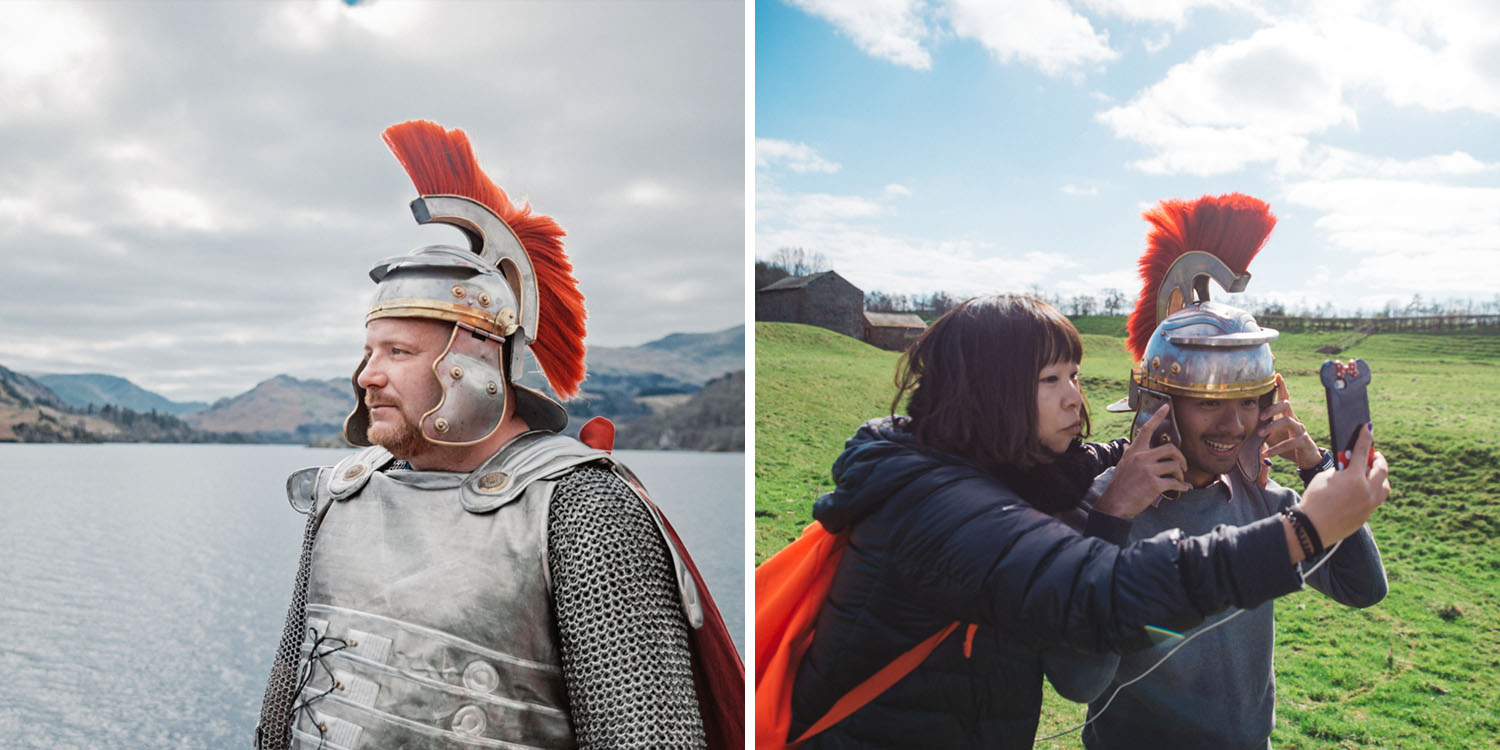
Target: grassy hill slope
(1420,669)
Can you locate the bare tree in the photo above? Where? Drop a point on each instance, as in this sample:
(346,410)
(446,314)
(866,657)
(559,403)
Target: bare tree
(940,302)
(1114,301)
(798,261)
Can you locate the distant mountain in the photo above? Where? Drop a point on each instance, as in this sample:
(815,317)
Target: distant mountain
(282,406)
(713,419)
(624,384)
(30,412)
(96,389)
(623,380)
(676,360)
(17,390)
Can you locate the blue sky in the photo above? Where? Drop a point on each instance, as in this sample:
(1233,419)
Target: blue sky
(978,146)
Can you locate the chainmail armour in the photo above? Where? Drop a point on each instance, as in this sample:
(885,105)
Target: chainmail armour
(624,638)
(275,729)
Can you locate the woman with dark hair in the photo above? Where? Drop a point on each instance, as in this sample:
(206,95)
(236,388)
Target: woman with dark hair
(953,514)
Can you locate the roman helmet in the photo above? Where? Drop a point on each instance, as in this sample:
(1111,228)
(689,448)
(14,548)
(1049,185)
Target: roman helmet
(510,291)
(1183,343)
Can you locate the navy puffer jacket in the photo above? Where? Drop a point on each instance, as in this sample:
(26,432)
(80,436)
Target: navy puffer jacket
(934,539)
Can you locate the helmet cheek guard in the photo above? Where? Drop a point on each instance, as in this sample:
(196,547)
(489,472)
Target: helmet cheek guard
(472,402)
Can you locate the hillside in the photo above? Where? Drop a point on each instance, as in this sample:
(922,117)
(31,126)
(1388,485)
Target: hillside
(310,409)
(713,419)
(30,412)
(97,390)
(1420,669)
(690,359)
(624,384)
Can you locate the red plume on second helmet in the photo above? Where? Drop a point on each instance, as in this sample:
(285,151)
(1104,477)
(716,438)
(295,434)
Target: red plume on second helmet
(1232,227)
(441,162)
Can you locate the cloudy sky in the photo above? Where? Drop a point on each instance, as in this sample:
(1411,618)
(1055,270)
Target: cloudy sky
(972,146)
(191,194)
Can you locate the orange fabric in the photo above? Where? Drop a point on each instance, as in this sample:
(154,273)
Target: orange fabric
(878,683)
(789,590)
(969,641)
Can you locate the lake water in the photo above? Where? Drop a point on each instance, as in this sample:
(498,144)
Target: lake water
(143,588)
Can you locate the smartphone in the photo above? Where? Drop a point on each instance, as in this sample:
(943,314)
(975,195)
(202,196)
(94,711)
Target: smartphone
(1148,401)
(1347,386)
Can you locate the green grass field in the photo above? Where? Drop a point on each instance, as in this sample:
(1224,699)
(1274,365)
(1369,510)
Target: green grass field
(1419,670)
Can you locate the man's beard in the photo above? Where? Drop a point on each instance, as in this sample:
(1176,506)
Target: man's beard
(403,440)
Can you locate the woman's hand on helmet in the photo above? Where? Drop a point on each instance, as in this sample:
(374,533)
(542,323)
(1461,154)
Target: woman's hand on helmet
(1339,501)
(1144,473)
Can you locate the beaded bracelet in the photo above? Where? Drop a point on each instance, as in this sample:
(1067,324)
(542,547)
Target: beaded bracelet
(1307,534)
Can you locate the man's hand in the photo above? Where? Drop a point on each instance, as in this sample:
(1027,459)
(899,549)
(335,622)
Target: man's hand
(1338,502)
(1285,434)
(1144,473)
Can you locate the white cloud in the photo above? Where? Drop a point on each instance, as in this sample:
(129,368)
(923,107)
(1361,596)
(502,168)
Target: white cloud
(876,260)
(817,209)
(1174,12)
(310,27)
(168,207)
(1266,97)
(1235,104)
(1328,163)
(798,157)
(890,30)
(175,152)
(53,60)
(846,231)
(1079,191)
(1158,44)
(650,193)
(1044,33)
(1402,236)
(897,191)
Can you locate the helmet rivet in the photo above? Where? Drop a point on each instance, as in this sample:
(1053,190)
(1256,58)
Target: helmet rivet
(1176,367)
(458,291)
(484,299)
(492,388)
(1156,363)
(440,424)
(457,372)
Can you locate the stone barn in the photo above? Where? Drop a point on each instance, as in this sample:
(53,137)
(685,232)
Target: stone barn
(822,299)
(892,331)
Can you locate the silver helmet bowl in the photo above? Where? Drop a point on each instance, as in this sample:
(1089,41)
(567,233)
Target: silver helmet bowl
(1209,350)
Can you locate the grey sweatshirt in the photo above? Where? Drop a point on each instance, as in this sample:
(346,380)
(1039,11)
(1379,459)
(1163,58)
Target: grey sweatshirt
(1219,691)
